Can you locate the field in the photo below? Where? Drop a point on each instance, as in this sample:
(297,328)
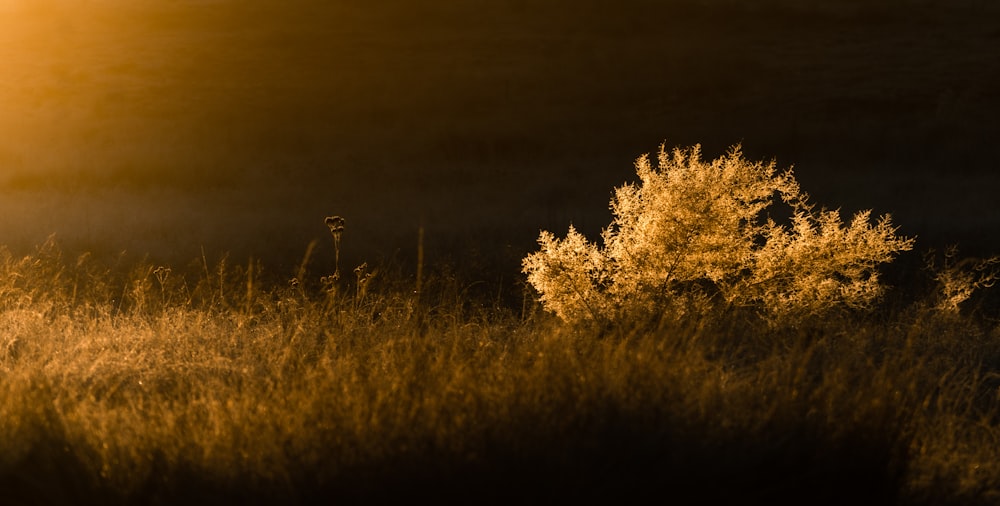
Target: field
(162,127)
(205,385)
(184,155)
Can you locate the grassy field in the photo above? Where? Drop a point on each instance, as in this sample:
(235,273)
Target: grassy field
(162,127)
(142,385)
(184,154)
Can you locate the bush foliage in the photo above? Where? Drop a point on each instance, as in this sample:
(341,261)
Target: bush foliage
(696,235)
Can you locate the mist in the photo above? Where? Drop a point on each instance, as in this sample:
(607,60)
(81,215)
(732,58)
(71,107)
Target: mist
(173,128)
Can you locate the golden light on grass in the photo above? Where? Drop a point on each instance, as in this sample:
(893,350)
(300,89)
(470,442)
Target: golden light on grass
(185,390)
(704,351)
(146,383)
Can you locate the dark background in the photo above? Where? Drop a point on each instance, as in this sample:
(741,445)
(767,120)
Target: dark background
(172,127)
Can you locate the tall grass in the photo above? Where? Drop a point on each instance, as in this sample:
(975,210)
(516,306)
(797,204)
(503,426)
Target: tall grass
(129,384)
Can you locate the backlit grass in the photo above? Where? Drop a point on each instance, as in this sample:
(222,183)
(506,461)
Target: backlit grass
(138,385)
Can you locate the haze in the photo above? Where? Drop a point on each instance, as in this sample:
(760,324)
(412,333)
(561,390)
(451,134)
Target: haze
(171,127)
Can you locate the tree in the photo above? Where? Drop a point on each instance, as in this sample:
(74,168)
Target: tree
(693,235)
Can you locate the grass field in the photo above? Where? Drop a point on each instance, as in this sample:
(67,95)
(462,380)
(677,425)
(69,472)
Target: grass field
(474,115)
(185,153)
(209,385)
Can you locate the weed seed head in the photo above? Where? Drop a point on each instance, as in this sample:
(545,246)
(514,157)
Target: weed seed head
(336,225)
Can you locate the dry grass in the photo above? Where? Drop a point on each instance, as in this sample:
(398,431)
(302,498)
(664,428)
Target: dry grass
(217,385)
(210,385)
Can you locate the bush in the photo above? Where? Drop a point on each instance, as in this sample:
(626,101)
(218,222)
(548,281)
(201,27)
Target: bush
(695,235)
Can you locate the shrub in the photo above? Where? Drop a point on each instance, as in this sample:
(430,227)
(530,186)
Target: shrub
(694,235)
(957,279)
